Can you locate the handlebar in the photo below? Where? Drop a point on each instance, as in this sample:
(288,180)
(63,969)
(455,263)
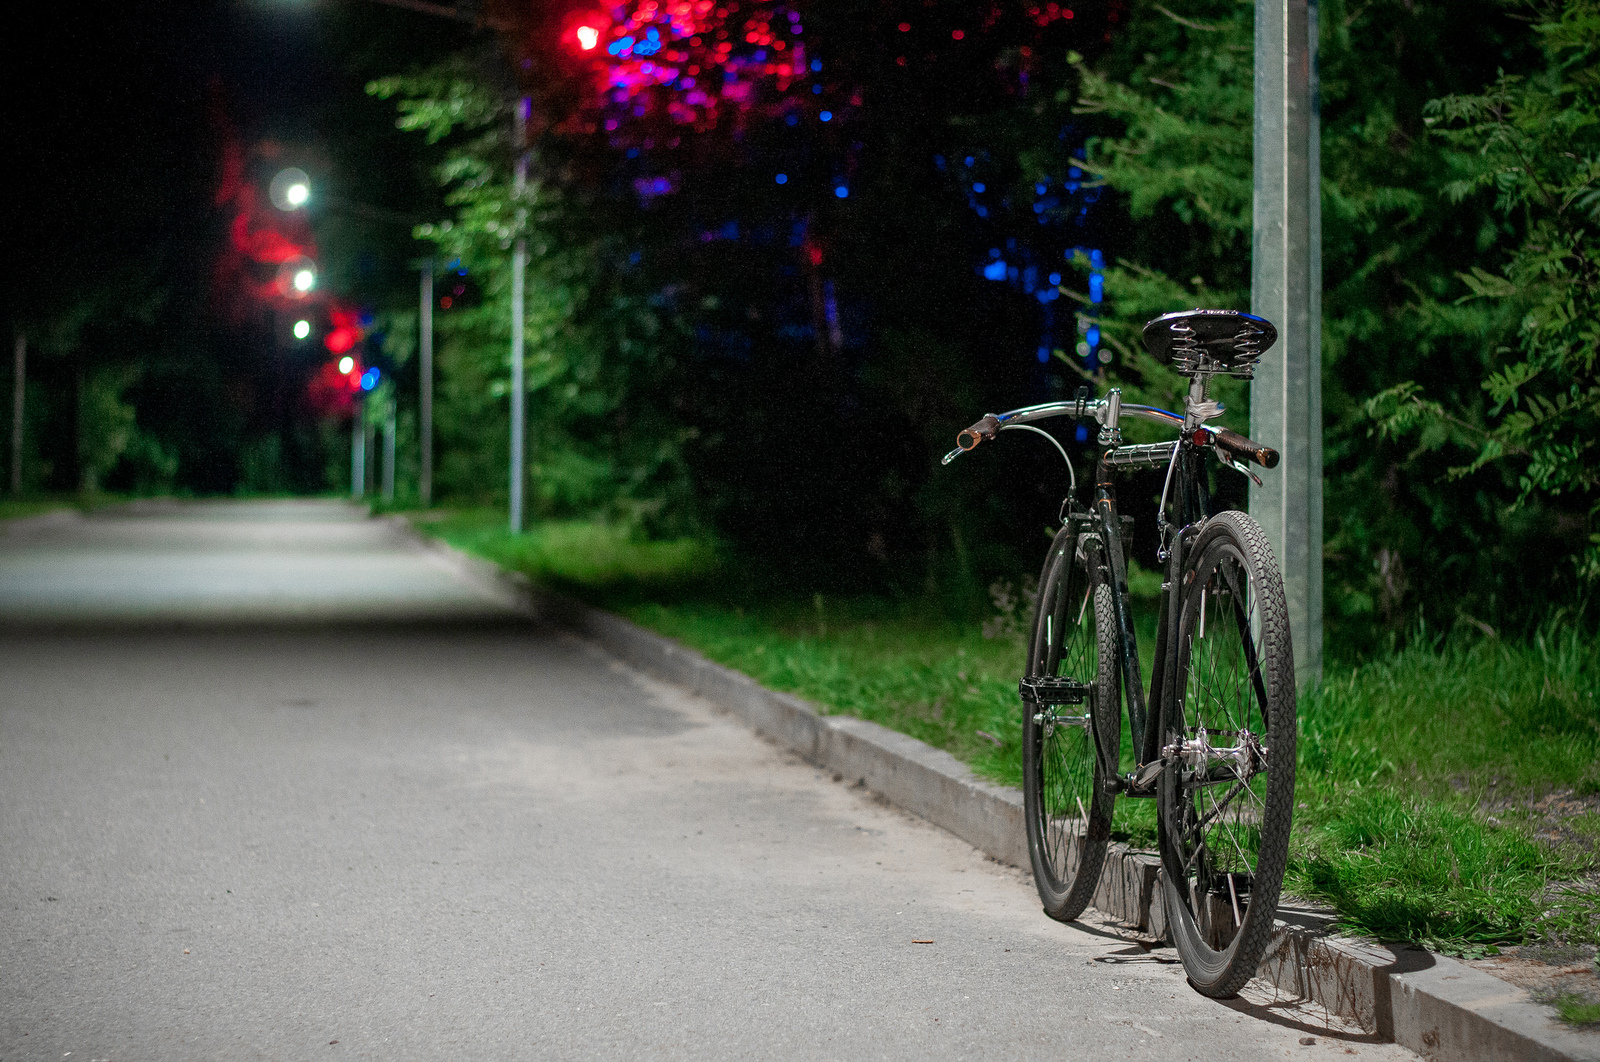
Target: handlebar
(989,426)
(1240,448)
(983,431)
(1232,446)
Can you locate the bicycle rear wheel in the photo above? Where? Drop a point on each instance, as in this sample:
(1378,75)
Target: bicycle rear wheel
(1066,806)
(1229,722)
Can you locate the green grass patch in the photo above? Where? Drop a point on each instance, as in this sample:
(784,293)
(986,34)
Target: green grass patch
(1420,780)
(13,509)
(586,557)
(1577,1009)
(1421,804)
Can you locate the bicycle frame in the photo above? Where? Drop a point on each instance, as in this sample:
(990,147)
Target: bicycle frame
(1191,504)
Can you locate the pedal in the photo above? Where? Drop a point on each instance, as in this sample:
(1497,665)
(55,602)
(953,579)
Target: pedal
(1049,689)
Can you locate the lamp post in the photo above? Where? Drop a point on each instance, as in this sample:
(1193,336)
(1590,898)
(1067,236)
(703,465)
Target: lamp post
(519,268)
(358,451)
(425,370)
(19,383)
(388,449)
(1286,288)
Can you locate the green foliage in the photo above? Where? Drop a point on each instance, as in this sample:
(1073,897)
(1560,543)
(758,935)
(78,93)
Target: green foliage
(109,434)
(1533,142)
(599,340)
(1169,110)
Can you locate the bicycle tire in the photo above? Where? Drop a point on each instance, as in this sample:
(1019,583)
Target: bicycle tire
(1224,826)
(1066,805)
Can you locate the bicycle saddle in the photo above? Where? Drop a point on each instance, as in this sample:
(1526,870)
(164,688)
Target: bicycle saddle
(1193,341)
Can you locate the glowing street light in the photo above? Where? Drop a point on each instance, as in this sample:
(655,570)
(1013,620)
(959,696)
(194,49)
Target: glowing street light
(297,277)
(302,329)
(290,189)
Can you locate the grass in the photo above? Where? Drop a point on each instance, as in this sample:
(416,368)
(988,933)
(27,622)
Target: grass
(1577,1009)
(16,508)
(1426,778)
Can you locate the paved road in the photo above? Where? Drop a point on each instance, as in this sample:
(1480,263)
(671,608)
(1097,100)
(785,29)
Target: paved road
(416,827)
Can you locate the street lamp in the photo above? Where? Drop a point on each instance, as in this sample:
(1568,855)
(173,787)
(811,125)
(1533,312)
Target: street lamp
(290,189)
(297,278)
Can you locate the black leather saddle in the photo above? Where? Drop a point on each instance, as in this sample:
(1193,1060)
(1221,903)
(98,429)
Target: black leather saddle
(1225,341)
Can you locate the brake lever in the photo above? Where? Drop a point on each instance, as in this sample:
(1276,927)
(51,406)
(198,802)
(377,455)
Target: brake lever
(1242,469)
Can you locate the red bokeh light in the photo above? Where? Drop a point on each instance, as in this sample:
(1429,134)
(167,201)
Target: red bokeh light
(345,333)
(692,62)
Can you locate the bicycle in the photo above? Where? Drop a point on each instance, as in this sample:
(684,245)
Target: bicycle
(1214,736)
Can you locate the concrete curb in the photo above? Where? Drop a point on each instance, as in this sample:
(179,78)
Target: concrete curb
(1428,1003)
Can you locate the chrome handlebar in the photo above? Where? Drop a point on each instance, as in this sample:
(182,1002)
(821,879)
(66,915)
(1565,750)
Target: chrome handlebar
(1102,410)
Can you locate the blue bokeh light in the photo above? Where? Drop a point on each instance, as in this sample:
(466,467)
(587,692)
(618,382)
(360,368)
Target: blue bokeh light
(826,116)
(782,178)
(842,192)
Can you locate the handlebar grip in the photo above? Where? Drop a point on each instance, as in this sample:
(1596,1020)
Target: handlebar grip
(1243,449)
(983,431)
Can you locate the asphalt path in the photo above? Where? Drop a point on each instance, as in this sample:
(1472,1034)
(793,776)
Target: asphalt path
(277,784)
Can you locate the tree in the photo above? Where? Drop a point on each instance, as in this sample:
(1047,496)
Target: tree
(1533,141)
(599,337)
(1170,105)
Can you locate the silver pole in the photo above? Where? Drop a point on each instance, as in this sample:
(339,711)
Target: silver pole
(358,454)
(425,412)
(519,268)
(388,452)
(1286,288)
(369,463)
(19,388)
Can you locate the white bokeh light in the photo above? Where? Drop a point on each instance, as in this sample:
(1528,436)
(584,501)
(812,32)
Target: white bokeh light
(302,329)
(346,363)
(290,189)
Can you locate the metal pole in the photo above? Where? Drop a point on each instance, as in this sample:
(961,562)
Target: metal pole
(519,268)
(369,463)
(388,452)
(425,412)
(19,387)
(1286,288)
(358,454)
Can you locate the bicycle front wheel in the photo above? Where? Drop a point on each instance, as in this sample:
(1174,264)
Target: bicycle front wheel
(1228,732)
(1066,805)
